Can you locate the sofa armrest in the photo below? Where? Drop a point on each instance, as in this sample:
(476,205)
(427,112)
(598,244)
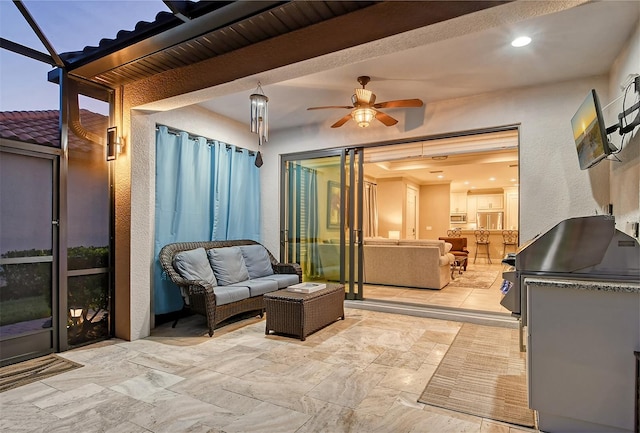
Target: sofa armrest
(288,268)
(199,286)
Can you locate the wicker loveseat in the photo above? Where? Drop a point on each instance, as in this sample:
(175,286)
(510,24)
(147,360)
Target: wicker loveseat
(220,298)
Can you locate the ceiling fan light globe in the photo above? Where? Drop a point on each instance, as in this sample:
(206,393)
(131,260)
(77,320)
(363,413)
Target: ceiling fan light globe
(363,116)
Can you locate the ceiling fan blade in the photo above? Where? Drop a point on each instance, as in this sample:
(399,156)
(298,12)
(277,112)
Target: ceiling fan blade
(331,106)
(342,121)
(399,103)
(386,119)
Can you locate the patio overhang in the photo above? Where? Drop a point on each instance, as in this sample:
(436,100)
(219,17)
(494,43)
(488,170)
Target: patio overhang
(286,31)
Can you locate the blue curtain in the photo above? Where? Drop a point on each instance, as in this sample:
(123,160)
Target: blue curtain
(204,191)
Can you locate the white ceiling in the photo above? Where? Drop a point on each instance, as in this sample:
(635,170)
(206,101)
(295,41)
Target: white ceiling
(581,41)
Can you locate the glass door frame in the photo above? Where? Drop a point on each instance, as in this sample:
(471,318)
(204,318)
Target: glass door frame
(351,161)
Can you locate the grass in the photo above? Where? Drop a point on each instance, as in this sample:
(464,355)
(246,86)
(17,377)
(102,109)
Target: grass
(24,309)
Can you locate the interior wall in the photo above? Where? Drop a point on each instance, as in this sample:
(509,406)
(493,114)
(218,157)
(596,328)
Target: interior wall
(434,211)
(391,193)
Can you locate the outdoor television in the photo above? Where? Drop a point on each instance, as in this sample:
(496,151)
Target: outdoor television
(589,132)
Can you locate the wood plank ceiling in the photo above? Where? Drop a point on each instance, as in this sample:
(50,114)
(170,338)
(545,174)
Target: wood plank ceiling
(295,30)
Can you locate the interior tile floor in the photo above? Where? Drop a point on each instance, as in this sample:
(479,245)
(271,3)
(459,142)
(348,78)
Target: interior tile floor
(485,299)
(362,374)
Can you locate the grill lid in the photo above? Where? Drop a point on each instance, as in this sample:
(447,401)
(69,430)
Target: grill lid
(584,245)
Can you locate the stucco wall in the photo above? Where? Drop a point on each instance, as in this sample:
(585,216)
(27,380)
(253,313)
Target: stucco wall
(625,175)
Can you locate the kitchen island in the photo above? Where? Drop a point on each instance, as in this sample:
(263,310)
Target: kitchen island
(495,246)
(581,367)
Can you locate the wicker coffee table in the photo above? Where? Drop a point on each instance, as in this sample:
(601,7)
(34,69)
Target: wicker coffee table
(301,314)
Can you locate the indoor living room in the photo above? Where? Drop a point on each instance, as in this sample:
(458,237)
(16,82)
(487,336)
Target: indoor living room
(413,194)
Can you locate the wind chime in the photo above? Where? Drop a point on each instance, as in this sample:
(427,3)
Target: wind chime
(259,119)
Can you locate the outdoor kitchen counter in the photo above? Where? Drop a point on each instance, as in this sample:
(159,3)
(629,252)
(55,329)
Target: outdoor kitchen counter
(607,286)
(581,338)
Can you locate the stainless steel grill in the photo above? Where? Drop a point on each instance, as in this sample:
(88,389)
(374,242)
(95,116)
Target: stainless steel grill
(584,248)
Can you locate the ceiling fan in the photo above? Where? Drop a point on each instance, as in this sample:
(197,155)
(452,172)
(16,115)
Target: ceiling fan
(364,107)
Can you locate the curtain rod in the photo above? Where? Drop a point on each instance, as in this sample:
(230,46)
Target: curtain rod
(191,136)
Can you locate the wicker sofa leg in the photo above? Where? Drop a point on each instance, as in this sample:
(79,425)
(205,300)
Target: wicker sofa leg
(210,302)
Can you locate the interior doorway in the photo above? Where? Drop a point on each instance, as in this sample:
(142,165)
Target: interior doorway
(324,225)
(450,180)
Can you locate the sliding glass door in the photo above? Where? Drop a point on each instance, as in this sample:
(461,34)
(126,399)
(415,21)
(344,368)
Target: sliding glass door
(319,223)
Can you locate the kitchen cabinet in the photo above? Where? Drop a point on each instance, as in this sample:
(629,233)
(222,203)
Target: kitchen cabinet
(472,208)
(458,202)
(490,202)
(512,206)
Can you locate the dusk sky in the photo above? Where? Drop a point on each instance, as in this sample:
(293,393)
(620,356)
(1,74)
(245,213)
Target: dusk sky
(69,26)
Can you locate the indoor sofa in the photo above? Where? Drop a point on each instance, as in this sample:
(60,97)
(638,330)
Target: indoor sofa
(421,263)
(220,279)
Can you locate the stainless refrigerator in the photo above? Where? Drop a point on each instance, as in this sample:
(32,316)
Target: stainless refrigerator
(490,220)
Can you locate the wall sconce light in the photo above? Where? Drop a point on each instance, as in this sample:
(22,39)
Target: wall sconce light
(394,234)
(114,143)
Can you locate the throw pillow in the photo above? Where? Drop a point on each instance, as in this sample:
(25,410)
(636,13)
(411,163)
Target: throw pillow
(228,265)
(194,265)
(257,260)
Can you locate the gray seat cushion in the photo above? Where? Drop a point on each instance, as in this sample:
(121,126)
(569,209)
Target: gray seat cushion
(257,260)
(228,265)
(259,286)
(229,294)
(283,280)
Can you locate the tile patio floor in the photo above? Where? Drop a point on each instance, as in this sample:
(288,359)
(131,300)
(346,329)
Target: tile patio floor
(363,374)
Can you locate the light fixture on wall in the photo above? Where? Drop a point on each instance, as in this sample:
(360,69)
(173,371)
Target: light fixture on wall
(259,118)
(114,143)
(363,116)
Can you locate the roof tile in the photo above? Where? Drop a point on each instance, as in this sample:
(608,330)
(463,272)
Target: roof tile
(41,127)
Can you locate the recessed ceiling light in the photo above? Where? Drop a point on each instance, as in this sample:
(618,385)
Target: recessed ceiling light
(492,179)
(521,41)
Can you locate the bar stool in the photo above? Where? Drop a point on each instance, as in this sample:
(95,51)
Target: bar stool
(454,233)
(482,240)
(509,239)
